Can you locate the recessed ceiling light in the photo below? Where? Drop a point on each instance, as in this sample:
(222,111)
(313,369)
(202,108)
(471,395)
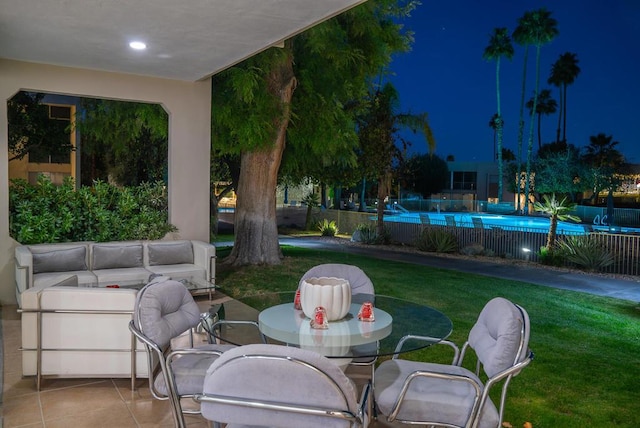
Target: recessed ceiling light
(139,46)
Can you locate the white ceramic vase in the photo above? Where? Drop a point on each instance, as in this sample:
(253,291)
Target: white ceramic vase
(334,294)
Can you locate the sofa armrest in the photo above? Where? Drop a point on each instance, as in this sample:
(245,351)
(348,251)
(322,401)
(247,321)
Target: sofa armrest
(204,255)
(24,268)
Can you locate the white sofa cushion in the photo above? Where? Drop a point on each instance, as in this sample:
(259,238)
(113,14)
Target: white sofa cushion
(123,276)
(84,277)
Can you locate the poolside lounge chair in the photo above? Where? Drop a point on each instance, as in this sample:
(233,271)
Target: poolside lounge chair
(450,220)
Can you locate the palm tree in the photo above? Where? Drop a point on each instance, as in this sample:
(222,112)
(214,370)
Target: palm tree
(494,126)
(546,105)
(563,73)
(522,36)
(499,46)
(537,28)
(557,210)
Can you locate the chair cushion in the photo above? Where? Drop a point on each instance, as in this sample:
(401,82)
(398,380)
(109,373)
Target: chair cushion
(279,380)
(63,260)
(359,281)
(164,310)
(496,335)
(189,370)
(429,399)
(170,253)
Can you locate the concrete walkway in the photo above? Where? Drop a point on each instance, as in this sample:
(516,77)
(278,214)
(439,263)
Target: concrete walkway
(534,274)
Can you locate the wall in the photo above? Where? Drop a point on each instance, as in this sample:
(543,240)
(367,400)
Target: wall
(189,107)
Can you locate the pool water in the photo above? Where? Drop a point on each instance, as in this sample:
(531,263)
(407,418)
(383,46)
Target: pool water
(507,222)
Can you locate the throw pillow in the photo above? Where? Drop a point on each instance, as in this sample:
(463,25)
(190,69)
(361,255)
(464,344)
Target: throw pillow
(170,253)
(116,256)
(68,260)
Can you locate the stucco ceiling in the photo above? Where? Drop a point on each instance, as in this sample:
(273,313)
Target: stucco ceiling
(186,39)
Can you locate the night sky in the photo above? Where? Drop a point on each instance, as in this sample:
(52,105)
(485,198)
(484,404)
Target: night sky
(445,75)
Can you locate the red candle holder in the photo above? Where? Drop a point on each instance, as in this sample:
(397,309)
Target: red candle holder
(296,301)
(320,318)
(366,312)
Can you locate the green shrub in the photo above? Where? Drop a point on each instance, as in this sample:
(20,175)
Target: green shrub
(368,233)
(45,212)
(328,228)
(585,251)
(551,258)
(437,240)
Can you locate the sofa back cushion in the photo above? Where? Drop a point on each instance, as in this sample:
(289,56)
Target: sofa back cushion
(62,260)
(116,255)
(170,253)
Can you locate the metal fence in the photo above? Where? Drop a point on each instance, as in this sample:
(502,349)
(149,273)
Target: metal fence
(508,242)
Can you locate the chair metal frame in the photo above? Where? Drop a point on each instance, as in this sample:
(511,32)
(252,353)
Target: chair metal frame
(482,391)
(357,420)
(162,359)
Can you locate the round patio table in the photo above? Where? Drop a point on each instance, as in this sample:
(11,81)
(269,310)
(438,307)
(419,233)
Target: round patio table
(277,319)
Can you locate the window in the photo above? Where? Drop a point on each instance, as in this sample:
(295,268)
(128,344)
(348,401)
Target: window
(465,180)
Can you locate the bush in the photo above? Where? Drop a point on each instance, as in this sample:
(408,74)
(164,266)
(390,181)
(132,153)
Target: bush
(46,213)
(368,234)
(551,258)
(328,228)
(585,251)
(436,240)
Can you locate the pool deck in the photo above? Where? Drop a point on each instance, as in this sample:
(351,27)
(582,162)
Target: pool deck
(601,285)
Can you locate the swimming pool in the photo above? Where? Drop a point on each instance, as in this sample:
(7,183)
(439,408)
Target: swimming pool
(491,221)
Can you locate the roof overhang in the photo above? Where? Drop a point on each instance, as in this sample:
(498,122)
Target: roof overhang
(186,40)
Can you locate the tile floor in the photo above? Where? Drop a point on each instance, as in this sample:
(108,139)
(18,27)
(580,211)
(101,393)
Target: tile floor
(79,403)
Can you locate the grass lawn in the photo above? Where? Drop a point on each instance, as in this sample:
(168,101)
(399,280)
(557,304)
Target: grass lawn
(587,365)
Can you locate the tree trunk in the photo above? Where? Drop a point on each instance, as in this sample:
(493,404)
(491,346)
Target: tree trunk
(383,192)
(551,237)
(256,229)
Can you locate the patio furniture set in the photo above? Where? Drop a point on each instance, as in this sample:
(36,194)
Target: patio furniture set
(286,374)
(76,301)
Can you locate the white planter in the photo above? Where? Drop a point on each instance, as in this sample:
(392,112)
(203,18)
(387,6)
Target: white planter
(334,294)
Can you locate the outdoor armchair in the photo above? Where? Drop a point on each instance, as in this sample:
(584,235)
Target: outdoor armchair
(451,395)
(265,385)
(165,309)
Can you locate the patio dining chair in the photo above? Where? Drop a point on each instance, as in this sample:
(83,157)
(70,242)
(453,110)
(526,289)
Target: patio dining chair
(164,310)
(362,290)
(266,385)
(450,395)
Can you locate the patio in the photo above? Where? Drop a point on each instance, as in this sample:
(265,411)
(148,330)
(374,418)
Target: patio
(89,403)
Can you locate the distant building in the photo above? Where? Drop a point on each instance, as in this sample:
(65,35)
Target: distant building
(474,182)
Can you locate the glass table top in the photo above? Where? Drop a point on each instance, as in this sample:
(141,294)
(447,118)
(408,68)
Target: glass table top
(395,318)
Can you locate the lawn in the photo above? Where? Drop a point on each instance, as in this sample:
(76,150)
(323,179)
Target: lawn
(587,364)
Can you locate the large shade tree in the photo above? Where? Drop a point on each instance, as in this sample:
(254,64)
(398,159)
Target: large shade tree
(298,96)
(499,46)
(559,169)
(563,73)
(603,159)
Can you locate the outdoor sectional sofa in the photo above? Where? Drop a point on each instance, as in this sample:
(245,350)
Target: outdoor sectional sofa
(74,318)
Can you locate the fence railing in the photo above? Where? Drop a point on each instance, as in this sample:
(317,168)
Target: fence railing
(513,243)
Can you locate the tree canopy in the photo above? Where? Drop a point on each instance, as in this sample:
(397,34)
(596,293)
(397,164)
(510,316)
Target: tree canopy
(304,97)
